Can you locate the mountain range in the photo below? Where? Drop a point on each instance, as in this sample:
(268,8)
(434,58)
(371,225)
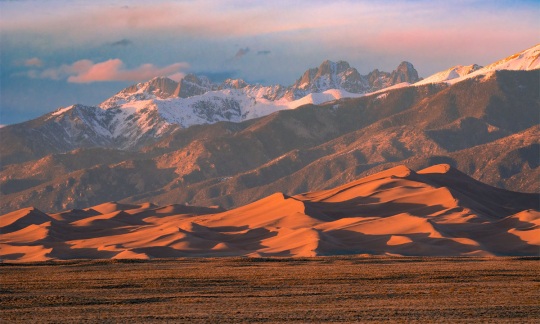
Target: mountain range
(199,143)
(146,112)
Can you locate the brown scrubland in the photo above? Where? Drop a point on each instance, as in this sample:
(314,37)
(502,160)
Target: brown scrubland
(232,290)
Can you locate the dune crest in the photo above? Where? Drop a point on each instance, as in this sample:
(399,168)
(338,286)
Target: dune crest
(437,211)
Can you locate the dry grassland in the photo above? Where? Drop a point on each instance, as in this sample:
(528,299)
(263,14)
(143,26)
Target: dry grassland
(334,289)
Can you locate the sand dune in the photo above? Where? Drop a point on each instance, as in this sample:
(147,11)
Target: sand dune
(437,211)
(19,219)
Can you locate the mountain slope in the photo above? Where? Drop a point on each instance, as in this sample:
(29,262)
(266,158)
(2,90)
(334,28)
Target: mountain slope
(309,148)
(435,211)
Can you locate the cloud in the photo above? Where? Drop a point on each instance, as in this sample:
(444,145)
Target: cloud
(265,52)
(433,34)
(86,71)
(206,18)
(218,18)
(122,42)
(64,71)
(241,52)
(33,62)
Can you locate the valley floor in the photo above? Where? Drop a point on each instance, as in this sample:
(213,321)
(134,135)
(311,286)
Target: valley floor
(335,289)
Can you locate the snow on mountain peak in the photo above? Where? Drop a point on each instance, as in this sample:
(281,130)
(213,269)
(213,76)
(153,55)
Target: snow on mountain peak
(329,75)
(60,111)
(161,105)
(450,74)
(235,83)
(526,60)
(328,67)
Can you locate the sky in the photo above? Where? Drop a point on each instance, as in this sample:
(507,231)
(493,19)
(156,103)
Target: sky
(60,52)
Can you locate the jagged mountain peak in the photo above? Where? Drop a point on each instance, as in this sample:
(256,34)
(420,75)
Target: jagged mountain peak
(405,65)
(161,87)
(330,67)
(235,83)
(192,85)
(158,87)
(329,75)
(197,79)
(160,83)
(405,72)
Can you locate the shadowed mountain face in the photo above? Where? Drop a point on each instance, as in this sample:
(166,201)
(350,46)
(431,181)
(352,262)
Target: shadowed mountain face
(436,211)
(485,126)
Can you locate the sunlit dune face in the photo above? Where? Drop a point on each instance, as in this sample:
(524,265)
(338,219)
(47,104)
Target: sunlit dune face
(395,212)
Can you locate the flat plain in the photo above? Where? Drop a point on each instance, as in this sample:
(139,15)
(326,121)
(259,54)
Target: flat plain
(330,289)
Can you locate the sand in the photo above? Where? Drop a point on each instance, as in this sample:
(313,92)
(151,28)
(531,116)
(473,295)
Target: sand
(437,211)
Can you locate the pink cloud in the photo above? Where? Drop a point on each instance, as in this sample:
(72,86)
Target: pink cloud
(63,71)
(193,18)
(86,71)
(33,62)
(114,70)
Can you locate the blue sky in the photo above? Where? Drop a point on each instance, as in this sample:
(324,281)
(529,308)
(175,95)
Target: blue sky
(56,53)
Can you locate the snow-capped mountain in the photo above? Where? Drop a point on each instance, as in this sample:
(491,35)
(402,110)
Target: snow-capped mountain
(150,110)
(87,126)
(329,75)
(526,60)
(158,107)
(452,73)
(195,100)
